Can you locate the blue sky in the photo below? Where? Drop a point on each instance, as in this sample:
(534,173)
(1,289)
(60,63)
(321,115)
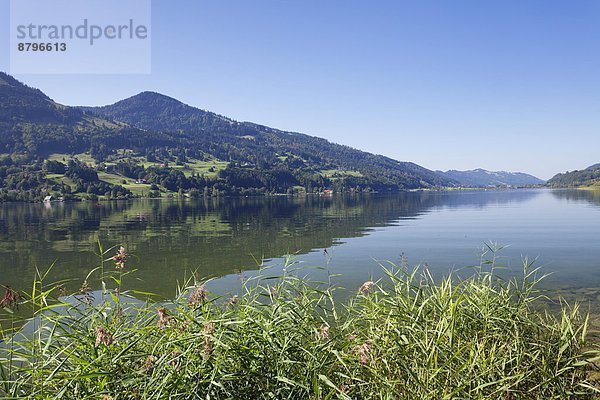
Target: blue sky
(502,85)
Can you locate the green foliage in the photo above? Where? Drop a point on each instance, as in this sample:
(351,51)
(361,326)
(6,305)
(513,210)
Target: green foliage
(55,167)
(587,177)
(404,337)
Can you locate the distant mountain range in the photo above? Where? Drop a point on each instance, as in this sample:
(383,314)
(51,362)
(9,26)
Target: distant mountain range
(587,177)
(484,178)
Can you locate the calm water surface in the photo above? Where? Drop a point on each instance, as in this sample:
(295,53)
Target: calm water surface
(225,237)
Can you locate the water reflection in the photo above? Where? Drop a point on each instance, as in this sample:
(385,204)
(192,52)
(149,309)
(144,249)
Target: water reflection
(212,236)
(589,196)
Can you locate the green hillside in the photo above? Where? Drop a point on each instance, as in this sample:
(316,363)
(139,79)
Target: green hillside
(153,145)
(589,177)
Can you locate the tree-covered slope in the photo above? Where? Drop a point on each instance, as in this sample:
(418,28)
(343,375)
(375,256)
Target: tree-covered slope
(260,145)
(21,103)
(34,125)
(151,144)
(587,177)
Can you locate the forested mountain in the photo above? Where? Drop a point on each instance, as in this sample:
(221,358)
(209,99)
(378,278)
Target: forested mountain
(483,178)
(266,147)
(587,177)
(153,145)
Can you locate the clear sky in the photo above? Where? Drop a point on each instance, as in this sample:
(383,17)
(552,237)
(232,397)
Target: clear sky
(456,84)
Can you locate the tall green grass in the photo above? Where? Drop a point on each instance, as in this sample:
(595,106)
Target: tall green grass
(406,336)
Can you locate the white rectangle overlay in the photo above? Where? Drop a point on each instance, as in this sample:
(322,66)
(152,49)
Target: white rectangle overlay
(80,36)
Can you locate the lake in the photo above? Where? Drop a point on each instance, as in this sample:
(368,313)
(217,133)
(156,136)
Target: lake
(228,237)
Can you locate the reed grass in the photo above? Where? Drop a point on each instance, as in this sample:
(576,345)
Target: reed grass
(406,336)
